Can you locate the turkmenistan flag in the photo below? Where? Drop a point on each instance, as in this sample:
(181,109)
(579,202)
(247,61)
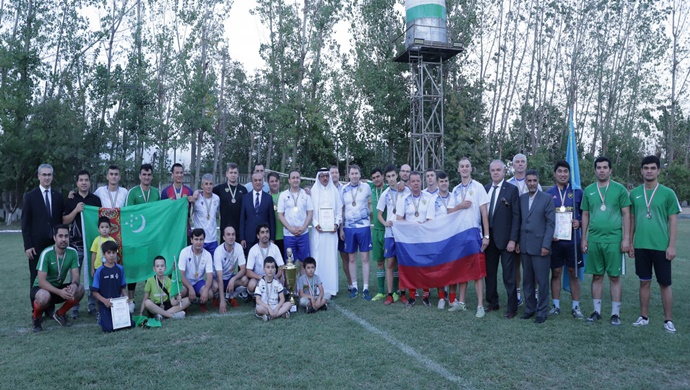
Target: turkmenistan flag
(143,232)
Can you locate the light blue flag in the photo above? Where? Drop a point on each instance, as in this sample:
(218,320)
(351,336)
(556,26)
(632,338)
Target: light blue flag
(571,158)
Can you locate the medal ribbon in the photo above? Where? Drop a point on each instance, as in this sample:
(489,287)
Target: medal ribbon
(562,195)
(649,202)
(603,197)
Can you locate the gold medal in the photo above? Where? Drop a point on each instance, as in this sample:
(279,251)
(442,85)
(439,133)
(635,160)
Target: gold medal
(196,274)
(563,209)
(295,209)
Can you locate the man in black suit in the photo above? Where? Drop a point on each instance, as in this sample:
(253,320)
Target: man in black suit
(257,208)
(504,226)
(42,210)
(538,221)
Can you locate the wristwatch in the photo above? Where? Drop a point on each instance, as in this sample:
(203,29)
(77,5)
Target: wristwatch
(486,236)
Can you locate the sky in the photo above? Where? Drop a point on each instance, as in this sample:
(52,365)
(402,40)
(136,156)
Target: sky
(245,33)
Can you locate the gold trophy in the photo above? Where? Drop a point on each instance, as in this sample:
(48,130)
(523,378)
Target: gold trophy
(290,278)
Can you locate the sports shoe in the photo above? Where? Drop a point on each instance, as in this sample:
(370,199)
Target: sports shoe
(75,313)
(353,292)
(458,306)
(668,326)
(349,289)
(159,317)
(378,297)
(594,317)
(266,318)
(324,307)
(577,314)
(396,297)
(310,310)
(555,311)
(203,308)
(642,322)
(520,302)
(241,290)
(480,312)
(411,302)
(179,315)
(36,324)
(366,295)
(441,304)
(403,299)
(425,301)
(61,319)
(132,306)
(216,302)
(389,301)
(615,320)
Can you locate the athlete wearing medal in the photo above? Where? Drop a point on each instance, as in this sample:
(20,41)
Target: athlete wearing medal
(654,216)
(440,203)
(196,268)
(356,228)
(605,236)
(295,210)
(205,212)
(230,194)
(112,196)
(378,232)
(55,265)
(471,202)
(388,203)
(565,252)
(143,193)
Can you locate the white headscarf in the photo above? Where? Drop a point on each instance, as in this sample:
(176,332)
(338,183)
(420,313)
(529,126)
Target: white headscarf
(326,197)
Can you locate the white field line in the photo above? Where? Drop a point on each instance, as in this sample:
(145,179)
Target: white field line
(425,360)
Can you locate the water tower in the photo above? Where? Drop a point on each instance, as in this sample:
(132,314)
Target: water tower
(427,49)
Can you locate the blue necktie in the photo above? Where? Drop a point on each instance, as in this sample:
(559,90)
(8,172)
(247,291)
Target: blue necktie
(48,203)
(256,203)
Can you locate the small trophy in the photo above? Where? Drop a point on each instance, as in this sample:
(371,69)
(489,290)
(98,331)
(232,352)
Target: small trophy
(290,277)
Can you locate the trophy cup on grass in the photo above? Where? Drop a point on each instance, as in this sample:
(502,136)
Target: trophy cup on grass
(290,278)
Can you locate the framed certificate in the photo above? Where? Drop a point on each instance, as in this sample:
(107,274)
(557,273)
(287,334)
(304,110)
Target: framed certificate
(119,310)
(564,226)
(327,219)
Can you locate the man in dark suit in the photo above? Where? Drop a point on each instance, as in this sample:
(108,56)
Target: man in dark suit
(257,208)
(504,226)
(537,225)
(42,210)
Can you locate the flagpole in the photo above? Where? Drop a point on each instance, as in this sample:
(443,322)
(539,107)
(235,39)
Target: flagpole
(177,281)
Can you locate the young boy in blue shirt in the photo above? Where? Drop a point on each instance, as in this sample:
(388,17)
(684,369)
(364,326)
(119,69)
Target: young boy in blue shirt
(108,282)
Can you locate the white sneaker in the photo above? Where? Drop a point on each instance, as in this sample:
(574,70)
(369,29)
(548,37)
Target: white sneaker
(179,315)
(159,317)
(668,326)
(480,312)
(441,304)
(458,306)
(132,306)
(642,322)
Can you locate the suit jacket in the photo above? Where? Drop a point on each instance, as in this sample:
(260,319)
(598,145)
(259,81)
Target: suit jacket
(37,225)
(505,223)
(537,224)
(251,218)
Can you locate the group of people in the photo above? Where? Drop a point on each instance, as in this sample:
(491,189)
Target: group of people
(262,229)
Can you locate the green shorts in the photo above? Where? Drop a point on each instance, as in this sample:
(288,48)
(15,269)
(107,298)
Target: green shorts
(604,258)
(377,244)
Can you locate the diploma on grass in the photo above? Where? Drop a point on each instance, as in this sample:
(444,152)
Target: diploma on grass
(564,226)
(119,310)
(327,219)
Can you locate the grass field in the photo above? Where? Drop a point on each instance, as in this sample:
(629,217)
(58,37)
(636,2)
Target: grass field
(355,344)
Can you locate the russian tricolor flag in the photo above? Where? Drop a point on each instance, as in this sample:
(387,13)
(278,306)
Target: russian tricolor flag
(440,252)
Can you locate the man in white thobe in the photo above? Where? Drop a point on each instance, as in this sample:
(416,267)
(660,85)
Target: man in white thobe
(324,244)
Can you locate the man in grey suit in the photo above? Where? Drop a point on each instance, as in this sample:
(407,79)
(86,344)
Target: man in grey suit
(537,226)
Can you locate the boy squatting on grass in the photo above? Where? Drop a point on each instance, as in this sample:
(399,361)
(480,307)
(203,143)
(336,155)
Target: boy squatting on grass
(310,288)
(157,300)
(270,300)
(108,282)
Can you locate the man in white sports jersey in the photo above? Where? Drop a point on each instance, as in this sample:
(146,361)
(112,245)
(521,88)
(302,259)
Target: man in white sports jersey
(295,210)
(440,203)
(229,281)
(387,203)
(258,253)
(112,196)
(196,267)
(431,181)
(413,207)
(205,212)
(471,204)
(356,228)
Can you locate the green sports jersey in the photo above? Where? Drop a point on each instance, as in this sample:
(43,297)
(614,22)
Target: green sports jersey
(57,269)
(651,227)
(375,195)
(605,227)
(157,293)
(279,225)
(137,196)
